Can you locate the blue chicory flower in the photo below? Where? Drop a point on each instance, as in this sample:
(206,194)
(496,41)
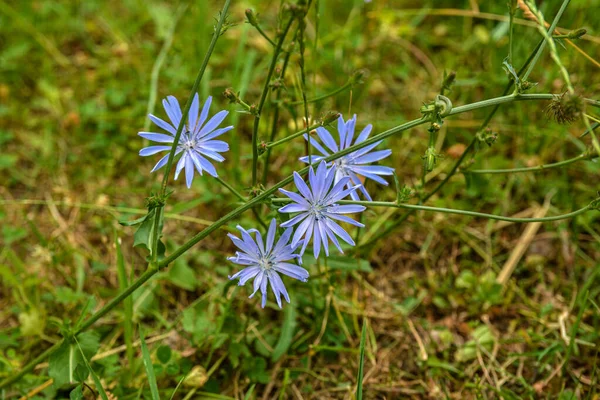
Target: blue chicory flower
(196,140)
(317,209)
(266,261)
(354,164)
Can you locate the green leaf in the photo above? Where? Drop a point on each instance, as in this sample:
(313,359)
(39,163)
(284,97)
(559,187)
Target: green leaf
(287,332)
(163,354)
(138,221)
(149,367)
(348,264)
(94,376)
(64,361)
(77,393)
(255,369)
(182,275)
(361,362)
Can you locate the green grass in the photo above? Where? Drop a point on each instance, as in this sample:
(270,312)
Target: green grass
(77,82)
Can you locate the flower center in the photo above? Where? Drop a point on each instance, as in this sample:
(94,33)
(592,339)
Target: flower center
(341,164)
(318,210)
(266,262)
(189,144)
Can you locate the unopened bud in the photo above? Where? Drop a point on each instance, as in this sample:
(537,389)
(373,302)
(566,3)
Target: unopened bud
(430,158)
(232,96)
(357,76)
(329,117)
(577,33)
(262,147)
(251,17)
(448,80)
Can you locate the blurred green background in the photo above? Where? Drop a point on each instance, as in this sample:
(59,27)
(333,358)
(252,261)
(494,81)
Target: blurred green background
(75,84)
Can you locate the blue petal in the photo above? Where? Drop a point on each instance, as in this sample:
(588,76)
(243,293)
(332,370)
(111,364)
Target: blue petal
(326,137)
(213,123)
(372,157)
(292,270)
(189,171)
(204,114)
(148,151)
(364,134)
(193,115)
(162,124)
(302,188)
(157,137)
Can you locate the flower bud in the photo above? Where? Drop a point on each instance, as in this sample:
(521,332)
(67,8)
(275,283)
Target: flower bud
(231,95)
(357,76)
(565,108)
(251,17)
(329,117)
(577,33)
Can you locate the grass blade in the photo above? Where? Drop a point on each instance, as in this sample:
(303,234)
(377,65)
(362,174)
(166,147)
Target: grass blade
(149,367)
(94,376)
(127,304)
(361,362)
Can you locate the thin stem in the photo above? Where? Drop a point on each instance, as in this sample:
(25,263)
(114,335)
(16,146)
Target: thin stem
(416,207)
(584,156)
(553,53)
(292,136)
(512,8)
(551,29)
(231,188)
(188,105)
(275,117)
(263,34)
(263,98)
(324,96)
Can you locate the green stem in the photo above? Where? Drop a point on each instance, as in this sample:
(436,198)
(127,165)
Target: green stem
(551,29)
(263,98)
(292,136)
(188,105)
(275,118)
(417,207)
(553,52)
(263,34)
(584,156)
(231,188)
(324,96)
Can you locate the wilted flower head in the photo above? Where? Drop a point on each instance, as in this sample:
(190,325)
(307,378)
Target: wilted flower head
(354,164)
(565,108)
(317,209)
(196,140)
(264,261)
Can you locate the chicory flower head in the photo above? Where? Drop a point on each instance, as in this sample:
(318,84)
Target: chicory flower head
(354,164)
(196,140)
(265,261)
(317,209)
